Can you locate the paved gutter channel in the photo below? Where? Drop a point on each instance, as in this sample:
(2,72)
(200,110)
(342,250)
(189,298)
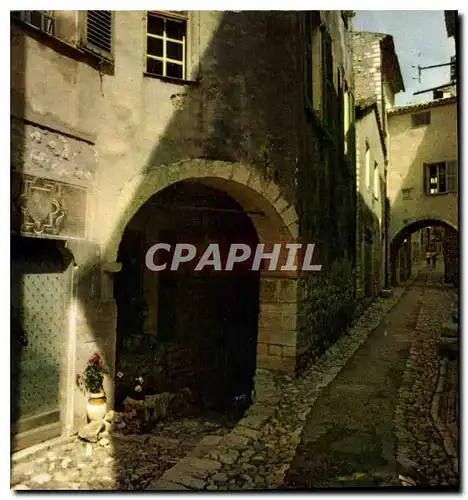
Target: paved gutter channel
(425,446)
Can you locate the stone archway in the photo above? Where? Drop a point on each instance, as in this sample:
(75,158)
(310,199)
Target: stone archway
(412,226)
(275,221)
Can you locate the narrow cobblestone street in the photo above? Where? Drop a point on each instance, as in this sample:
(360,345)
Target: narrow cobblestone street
(349,438)
(337,426)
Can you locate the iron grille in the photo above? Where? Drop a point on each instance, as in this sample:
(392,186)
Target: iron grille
(99,32)
(40,19)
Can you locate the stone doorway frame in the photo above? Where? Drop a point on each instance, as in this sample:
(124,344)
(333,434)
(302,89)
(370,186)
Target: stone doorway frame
(274,219)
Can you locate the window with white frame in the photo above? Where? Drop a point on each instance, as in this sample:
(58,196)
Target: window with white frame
(367,166)
(166,42)
(42,20)
(376,181)
(441,177)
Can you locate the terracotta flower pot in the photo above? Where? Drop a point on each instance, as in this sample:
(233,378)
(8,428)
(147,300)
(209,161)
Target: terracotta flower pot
(97,406)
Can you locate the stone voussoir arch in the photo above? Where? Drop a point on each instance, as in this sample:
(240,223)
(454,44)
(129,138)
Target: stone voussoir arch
(407,228)
(275,220)
(278,221)
(405,225)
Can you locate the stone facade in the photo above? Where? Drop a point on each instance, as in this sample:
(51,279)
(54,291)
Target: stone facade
(238,123)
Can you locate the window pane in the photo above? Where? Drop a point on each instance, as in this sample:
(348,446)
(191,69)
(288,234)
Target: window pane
(175,29)
(154,66)
(154,46)
(155,25)
(36,18)
(174,70)
(174,51)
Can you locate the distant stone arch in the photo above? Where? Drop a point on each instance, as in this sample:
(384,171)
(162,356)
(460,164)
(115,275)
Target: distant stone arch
(411,226)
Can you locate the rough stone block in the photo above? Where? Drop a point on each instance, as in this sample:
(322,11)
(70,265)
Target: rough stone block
(288,290)
(294,230)
(163,485)
(277,336)
(289,318)
(177,475)
(272,192)
(289,215)
(262,348)
(254,422)
(276,363)
(280,204)
(275,350)
(240,174)
(269,290)
(257,183)
(386,293)
(269,316)
(289,352)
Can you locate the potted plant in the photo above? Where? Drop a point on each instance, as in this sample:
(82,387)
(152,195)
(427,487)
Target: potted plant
(91,381)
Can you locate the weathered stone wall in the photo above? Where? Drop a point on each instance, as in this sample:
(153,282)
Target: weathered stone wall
(368,65)
(327,201)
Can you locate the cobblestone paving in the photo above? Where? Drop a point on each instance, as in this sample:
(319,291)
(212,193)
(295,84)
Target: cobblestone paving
(122,462)
(421,448)
(255,454)
(348,439)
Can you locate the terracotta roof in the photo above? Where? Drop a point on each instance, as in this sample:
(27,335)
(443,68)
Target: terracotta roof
(397,110)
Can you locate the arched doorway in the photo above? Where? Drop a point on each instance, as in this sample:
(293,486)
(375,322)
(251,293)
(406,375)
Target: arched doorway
(188,329)
(435,239)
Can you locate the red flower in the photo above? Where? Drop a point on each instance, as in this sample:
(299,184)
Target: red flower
(95,357)
(98,364)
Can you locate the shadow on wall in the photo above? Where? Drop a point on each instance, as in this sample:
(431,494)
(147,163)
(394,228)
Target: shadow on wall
(246,106)
(238,110)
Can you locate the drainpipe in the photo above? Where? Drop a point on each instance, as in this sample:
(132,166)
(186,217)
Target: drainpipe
(387,214)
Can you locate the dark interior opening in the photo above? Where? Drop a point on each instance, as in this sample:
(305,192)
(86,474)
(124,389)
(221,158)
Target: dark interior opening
(187,329)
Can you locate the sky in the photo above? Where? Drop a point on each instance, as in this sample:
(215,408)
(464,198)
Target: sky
(420,38)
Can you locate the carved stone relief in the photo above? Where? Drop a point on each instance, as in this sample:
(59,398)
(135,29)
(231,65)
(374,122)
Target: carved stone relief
(46,153)
(47,208)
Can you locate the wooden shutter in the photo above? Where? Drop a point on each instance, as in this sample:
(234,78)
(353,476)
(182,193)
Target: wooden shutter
(99,32)
(452,176)
(426,178)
